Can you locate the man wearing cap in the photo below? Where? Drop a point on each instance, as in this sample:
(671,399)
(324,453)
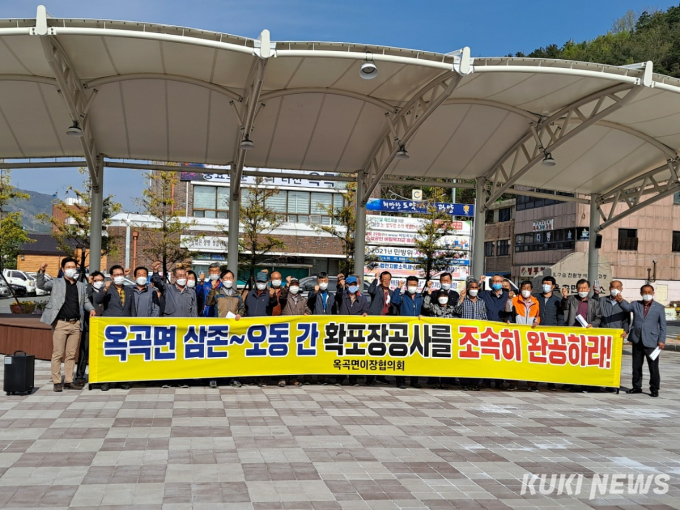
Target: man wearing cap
(350,302)
(292,302)
(259,301)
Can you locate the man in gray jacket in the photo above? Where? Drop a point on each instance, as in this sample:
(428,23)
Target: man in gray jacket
(180,301)
(146,299)
(581,304)
(65,312)
(647,333)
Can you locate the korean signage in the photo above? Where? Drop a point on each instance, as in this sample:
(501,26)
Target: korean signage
(204,244)
(403,224)
(153,349)
(399,254)
(542,225)
(415,207)
(531,271)
(306,179)
(409,239)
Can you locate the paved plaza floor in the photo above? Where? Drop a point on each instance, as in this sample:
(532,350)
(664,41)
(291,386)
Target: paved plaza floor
(326,447)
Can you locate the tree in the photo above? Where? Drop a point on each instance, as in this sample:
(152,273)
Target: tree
(428,240)
(166,240)
(12,233)
(72,224)
(258,220)
(342,227)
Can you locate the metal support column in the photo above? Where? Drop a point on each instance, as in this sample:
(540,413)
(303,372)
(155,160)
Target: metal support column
(232,240)
(479,227)
(96,211)
(593,257)
(360,232)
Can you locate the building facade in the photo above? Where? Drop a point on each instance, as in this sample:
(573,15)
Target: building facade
(499,238)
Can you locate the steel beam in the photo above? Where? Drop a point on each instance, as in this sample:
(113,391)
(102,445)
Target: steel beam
(593,256)
(640,191)
(360,232)
(544,137)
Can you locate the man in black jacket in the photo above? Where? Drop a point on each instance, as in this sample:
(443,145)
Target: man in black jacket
(381,304)
(95,283)
(550,309)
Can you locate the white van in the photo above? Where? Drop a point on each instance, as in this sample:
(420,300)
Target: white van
(16,277)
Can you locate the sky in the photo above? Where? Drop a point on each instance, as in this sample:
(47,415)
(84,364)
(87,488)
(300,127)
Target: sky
(488,27)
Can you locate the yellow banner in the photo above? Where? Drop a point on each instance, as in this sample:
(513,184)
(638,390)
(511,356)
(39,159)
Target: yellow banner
(144,349)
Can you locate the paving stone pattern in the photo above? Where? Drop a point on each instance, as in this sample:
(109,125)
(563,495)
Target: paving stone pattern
(325,447)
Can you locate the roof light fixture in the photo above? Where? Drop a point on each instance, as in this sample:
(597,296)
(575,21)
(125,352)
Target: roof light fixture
(548,160)
(75,130)
(402,153)
(368,69)
(247,144)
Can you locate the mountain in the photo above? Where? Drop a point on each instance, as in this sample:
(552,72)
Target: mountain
(38,203)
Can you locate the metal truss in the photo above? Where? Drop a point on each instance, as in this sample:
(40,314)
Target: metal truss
(250,105)
(546,135)
(640,191)
(402,124)
(77,101)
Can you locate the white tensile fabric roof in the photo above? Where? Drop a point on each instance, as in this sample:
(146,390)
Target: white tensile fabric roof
(163,93)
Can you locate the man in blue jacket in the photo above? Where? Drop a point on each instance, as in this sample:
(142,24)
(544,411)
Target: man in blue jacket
(350,302)
(647,333)
(410,305)
(260,302)
(214,282)
(321,301)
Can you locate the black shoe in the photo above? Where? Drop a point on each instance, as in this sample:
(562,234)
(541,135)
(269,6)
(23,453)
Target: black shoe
(105,387)
(634,390)
(533,388)
(512,387)
(58,387)
(464,387)
(552,387)
(416,386)
(474,388)
(401,386)
(73,386)
(213,384)
(654,394)
(125,386)
(610,390)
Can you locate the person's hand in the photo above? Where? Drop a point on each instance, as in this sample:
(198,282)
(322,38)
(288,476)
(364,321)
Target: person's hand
(288,279)
(127,271)
(272,292)
(316,288)
(237,317)
(90,280)
(482,278)
(535,324)
(341,280)
(619,298)
(305,313)
(565,292)
(265,271)
(624,335)
(661,346)
(462,294)
(107,285)
(589,326)
(511,294)
(400,284)
(429,287)
(156,266)
(93,313)
(201,276)
(420,317)
(43,268)
(365,314)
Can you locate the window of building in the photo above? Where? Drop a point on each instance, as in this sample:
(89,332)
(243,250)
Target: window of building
(503,247)
(489,216)
(676,198)
(676,241)
(562,239)
(628,239)
(293,205)
(505,214)
(488,249)
(525,202)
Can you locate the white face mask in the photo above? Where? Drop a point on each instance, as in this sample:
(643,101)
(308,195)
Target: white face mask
(276,283)
(214,277)
(261,285)
(119,280)
(294,289)
(446,286)
(227,283)
(191,284)
(547,288)
(412,290)
(526,293)
(647,297)
(583,294)
(70,273)
(613,292)
(323,285)
(473,292)
(98,285)
(182,282)
(141,281)
(443,300)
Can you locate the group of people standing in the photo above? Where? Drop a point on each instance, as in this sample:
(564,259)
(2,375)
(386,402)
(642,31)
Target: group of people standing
(73,302)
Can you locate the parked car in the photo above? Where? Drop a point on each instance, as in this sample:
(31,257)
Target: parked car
(4,289)
(16,277)
(19,290)
(40,292)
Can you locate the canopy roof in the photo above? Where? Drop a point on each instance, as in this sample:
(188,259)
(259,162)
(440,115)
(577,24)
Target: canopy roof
(153,92)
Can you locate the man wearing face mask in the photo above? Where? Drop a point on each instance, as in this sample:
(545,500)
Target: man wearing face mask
(350,302)
(179,300)
(275,283)
(145,298)
(379,290)
(205,287)
(470,306)
(410,305)
(95,283)
(65,312)
(550,308)
(260,302)
(581,304)
(441,307)
(524,309)
(115,298)
(496,299)
(321,301)
(446,282)
(647,333)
